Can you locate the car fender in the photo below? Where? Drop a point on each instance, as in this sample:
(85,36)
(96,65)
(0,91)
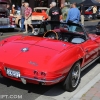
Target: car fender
(62,64)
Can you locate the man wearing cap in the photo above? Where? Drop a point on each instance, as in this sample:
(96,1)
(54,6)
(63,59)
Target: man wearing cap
(73,17)
(54,14)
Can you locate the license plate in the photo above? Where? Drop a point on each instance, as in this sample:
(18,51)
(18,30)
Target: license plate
(13,73)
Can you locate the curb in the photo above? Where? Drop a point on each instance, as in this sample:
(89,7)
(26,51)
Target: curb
(79,94)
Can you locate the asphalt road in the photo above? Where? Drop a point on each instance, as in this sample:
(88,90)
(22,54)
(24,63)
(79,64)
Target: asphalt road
(12,90)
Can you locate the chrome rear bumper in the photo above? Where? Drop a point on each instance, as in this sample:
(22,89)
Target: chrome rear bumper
(43,82)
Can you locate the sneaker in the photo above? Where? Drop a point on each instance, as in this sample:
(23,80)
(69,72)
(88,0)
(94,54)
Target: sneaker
(32,31)
(25,32)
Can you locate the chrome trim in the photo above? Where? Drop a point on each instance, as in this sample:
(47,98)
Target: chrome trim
(89,63)
(44,81)
(25,49)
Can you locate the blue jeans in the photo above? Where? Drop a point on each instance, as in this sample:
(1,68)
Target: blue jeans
(72,28)
(22,23)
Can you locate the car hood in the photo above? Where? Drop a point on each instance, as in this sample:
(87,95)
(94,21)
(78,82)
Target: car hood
(31,51)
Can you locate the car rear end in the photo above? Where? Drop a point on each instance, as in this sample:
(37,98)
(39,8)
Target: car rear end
(7,22)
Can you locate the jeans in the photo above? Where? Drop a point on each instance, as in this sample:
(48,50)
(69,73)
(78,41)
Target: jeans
(22,23)
(72,28)
(94,16)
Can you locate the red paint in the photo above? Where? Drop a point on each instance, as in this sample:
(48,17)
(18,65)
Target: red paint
(46,59)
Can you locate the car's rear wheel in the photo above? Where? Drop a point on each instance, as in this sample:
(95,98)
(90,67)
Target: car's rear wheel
(73,79)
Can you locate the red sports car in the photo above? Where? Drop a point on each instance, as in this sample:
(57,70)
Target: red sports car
(53,56)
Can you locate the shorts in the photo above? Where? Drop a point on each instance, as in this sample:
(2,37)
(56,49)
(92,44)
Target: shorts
(28,21)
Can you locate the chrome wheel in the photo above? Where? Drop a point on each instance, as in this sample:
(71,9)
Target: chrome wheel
(73,79)
(76,75)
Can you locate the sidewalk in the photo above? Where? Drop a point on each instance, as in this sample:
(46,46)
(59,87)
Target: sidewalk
(93,93)
(90,91)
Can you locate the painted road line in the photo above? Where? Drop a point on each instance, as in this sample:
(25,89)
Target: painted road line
(57,93)
(86,88)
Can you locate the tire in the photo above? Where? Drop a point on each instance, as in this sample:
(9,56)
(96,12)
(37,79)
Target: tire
(73,79)
(19,23)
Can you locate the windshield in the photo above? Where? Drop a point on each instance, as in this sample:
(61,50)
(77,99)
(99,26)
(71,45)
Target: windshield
(64,26)
(61,31)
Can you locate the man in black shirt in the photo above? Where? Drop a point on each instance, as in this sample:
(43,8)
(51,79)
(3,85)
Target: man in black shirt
(82,14)
(54,14)
(8,10)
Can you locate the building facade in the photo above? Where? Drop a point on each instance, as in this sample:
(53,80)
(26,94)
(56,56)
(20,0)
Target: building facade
(41,3)
(36,3)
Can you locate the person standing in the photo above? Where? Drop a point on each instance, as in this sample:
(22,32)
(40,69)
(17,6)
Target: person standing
(64,10)
(13,9)
(94,12)
(54,14)
(28,19)
(73,16)
(22,13)
(8,10)
(82,10)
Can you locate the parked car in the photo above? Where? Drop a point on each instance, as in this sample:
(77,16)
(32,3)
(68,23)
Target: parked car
(88,13)
(53,56)
(6,21)
(38,15)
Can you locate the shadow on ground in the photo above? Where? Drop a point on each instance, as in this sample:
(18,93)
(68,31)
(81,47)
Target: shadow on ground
(9,30)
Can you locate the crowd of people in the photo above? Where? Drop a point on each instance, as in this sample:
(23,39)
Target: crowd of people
(66,13)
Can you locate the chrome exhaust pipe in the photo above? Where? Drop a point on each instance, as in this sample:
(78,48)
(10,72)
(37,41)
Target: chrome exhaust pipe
(23,80)
(43,83)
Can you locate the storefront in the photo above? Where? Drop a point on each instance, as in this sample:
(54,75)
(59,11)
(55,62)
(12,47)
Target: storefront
(42,3)
(37,3)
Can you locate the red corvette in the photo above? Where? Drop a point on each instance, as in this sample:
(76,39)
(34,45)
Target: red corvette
(54,56)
